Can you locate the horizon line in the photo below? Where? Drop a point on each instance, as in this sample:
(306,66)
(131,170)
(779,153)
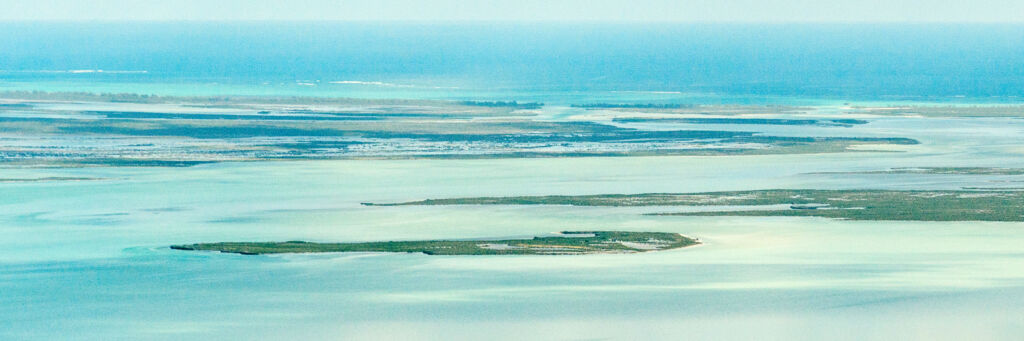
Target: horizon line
(534,21)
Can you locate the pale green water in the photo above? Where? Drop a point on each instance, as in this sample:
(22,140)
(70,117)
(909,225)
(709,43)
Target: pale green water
(88,259)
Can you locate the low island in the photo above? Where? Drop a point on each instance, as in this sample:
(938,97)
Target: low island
(564,243)
(998,204)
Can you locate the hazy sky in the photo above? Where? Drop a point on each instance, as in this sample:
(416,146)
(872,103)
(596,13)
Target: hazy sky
(548,10)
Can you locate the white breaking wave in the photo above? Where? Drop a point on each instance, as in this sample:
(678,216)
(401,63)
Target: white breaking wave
(79,71)
(392,85)
(651,92)
(373,83)
(106,71)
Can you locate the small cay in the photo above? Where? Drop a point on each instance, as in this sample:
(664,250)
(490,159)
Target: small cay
(565,243)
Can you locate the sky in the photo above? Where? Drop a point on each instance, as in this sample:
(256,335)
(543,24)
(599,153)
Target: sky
(522,10)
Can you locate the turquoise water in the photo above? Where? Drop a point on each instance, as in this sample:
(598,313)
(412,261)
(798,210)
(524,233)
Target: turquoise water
(89,260)
(556,63)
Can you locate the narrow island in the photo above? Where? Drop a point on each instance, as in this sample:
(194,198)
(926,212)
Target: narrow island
(893,205)
(564,243)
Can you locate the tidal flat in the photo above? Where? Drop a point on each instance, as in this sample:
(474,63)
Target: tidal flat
(942,170)
(748,121)
(931,110)
(1016,111)
(84,129)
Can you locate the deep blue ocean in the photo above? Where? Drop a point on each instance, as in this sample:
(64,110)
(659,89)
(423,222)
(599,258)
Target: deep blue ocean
(524,61)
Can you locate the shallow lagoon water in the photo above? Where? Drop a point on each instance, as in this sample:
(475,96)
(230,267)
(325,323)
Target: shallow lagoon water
(89,259)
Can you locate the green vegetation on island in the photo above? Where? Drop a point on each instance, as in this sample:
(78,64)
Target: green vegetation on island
(566,243)
(989,205)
